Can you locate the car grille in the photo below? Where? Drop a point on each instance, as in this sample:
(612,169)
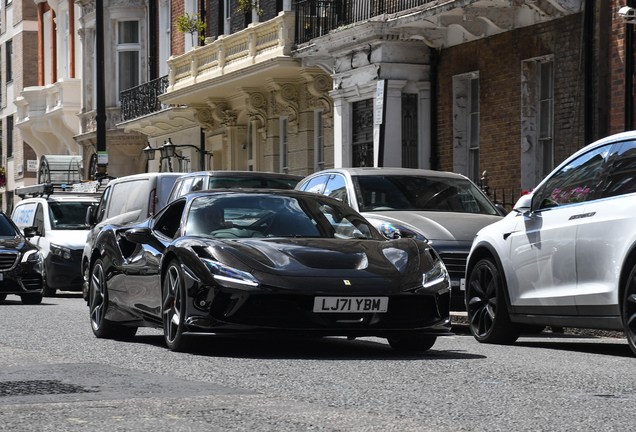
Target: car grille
(32,281)
(455,263)
(7,260)
(296,312)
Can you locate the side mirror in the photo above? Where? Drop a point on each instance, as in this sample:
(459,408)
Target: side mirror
(30,232)
(138,235)
(524,204)
(90,216)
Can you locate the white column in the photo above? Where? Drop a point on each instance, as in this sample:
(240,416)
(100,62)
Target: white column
(424,125)
(342,131)
(393,123)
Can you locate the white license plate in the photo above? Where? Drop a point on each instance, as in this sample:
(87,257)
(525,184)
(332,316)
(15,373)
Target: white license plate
(350,304)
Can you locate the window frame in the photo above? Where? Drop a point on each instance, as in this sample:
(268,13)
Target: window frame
(127,47)
(284,145)
(9,60)
(319,140)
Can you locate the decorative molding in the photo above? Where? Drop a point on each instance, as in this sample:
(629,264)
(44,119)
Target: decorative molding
(318,87)
(286,96)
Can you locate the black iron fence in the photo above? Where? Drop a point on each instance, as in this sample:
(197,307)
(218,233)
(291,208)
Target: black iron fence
(143,99)
(505,197)
(315,18)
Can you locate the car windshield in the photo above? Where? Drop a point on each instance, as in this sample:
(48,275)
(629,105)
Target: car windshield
(69,215)
(401,192)
(6,227)
(250,183)
(265,215)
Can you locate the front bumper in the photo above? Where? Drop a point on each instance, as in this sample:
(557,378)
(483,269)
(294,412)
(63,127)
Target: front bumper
(25,278)
(64,274)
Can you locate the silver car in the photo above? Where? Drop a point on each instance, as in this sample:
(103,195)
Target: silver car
(447,209)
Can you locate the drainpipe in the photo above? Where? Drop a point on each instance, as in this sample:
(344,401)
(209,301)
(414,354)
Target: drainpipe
(629,73)
(588,35)
(434,56)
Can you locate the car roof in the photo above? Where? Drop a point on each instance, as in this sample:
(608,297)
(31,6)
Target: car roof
(61,198)
(370,171)
(145,176)
(245,174)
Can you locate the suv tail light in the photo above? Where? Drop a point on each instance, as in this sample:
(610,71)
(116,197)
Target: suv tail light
(152,203)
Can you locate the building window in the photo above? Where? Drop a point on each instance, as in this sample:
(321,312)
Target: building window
(362,133)
(473,132)
(9,136)
(67,47)
(546,117)
(227,11)
(537,120)
(466,125)
(9,60)
(284,146)
(8,2)
(128,48)
(319,141)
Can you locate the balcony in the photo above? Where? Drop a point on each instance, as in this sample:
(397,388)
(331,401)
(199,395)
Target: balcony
(47,116)
(230,55)
(315,18)
(143,100)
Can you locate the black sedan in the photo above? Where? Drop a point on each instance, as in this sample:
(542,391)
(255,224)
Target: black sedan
(21,266)
(265,261)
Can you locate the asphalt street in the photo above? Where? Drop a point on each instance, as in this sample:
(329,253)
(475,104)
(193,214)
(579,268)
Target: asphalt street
(56,376)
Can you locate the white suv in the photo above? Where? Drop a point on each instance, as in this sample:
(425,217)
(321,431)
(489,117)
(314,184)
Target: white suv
(59,222)
(567,255)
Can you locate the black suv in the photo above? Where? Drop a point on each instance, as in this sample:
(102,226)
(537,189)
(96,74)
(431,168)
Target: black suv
(20,263)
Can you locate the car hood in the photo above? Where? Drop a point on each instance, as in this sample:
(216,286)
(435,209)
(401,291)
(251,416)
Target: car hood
(328,257)
(72,239)
(438,226)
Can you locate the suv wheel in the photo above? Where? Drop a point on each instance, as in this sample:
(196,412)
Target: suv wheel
(487,312)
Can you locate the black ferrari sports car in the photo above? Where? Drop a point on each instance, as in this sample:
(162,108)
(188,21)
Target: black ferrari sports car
(265,261)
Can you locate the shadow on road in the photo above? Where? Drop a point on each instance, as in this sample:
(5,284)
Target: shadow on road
(316,348)
(589,346)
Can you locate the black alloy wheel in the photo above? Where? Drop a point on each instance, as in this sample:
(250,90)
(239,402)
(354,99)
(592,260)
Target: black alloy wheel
(31,299)
(487,311)
(412,343)
(629,310)
(98,305)
(174,309)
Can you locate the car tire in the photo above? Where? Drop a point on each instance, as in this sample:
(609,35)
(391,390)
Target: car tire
(98,305)
(488,316)
(417,343)
(629,310)
(31,299)
(173,309)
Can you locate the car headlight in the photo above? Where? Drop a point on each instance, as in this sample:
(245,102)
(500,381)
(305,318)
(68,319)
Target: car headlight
(31,256)
(230,274)
(61,251)
(392,230)
(435,275)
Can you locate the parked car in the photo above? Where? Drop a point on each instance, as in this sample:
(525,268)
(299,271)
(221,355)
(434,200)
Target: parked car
(60,234)
(21,266)
(265,261)
(203,180)
(444,208)
(566,255)
(126,200)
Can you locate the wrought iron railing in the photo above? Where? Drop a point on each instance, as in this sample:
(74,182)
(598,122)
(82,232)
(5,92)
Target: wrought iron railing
(143,99)
(315,18)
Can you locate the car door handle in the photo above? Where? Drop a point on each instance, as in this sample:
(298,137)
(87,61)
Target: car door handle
(582,216)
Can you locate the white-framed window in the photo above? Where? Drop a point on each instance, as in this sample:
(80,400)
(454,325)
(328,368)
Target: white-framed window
(165,31)
(537,120)
(191,9)
(250,146)
(284,146)
(319,141)
(128,52)
(546,116)
(466,146)
(255,15)
(227,12)
(473,131)
(9,60)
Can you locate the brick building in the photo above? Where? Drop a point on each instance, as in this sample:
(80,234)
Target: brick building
(18,50)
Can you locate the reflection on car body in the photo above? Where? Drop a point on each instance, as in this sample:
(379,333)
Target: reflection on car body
(273,262)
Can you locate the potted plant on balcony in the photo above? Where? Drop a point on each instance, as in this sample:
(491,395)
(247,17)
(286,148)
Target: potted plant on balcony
(248,6)
(3,177)
(192,24)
